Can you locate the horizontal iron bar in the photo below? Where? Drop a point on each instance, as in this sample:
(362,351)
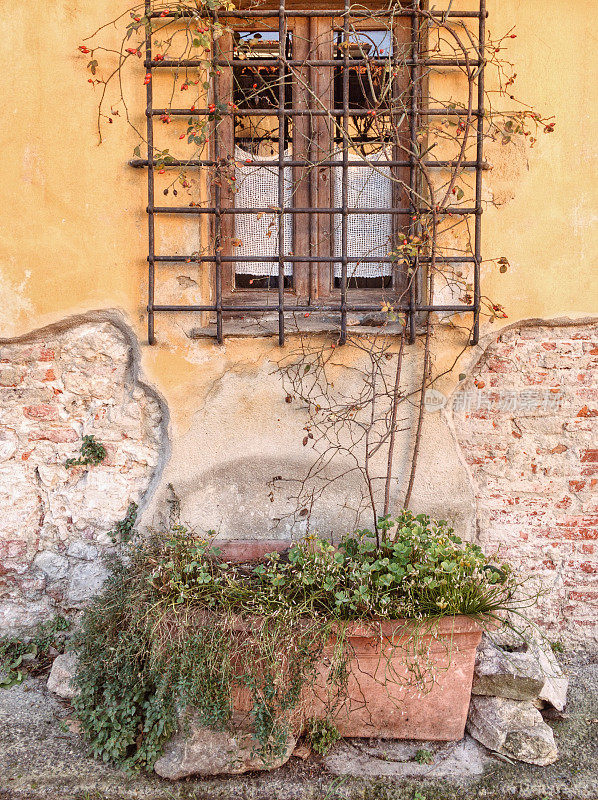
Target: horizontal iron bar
(211,210)
(315,308)
(310,259)
(328,12)
(294,62)
(306,112)
(143,162)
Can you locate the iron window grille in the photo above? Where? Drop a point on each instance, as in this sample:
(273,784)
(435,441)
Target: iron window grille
(412,303)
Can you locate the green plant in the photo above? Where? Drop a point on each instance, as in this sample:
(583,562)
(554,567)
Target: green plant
(424,756)
(557,647)
(420,569)
(92,453)
(322,734)
(177,628)
(22,656)
(123,530)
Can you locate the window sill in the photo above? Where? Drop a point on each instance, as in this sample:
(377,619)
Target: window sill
(266,325)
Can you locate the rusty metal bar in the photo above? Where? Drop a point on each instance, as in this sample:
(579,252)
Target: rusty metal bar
(449,210)
(345,174)
(297,112)
(328,12)
(478,179)
(217,198)
(309,308)
(175,259)
(281,128)
(143,162)
(310,62)
(413,181)
(151,277)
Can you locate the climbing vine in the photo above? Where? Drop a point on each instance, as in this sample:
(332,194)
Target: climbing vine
(429,248)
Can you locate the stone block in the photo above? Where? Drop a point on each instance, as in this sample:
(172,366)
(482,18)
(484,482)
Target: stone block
(513,728)
(60,679)
(53,565)
(87,578)
(197,750)
(527,672)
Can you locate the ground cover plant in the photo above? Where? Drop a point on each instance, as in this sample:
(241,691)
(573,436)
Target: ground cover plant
(33,654)
(176,628)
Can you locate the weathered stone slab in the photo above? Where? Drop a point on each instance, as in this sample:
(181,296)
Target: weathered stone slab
(197,750)
(528,673)
(513,728)
(60,679)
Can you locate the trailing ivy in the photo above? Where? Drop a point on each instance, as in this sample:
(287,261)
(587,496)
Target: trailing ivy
(123,530)
(92,453)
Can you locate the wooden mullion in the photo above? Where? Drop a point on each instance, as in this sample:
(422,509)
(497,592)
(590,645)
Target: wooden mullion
(322,144)
(226,133)
(401,41)
(301,150)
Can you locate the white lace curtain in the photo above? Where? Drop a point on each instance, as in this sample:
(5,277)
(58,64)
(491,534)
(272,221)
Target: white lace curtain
(368,235)
(257,187)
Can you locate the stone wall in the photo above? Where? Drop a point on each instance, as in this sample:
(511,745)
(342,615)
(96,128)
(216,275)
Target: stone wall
(57,385)
(524,420)
(527,421)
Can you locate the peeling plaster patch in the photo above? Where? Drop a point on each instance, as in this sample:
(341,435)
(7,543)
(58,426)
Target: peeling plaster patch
(33,167)
(526,418)
(62,382)
(508,162)
(584,220)
(14,304)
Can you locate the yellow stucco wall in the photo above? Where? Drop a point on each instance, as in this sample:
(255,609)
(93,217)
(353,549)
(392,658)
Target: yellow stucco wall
(73,234)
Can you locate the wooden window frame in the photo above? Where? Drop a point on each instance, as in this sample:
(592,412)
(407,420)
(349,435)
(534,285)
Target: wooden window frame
(312,232)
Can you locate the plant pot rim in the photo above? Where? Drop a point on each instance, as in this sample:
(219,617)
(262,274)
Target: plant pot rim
(429,626)
(374,629)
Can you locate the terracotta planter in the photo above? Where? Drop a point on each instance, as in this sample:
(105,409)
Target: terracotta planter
(406,680)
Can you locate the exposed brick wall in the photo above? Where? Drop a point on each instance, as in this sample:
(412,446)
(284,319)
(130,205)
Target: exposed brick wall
(55,387)
(527,422)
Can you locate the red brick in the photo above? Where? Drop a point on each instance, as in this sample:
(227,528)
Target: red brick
(44,411)
(590,455)
(576,486)
(56,435)
(583,597)
(243,551)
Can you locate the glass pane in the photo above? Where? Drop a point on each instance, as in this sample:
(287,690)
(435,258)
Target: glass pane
(370,141)
(256,87)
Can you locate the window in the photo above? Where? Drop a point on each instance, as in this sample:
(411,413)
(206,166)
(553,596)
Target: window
(295,216)
(313,174)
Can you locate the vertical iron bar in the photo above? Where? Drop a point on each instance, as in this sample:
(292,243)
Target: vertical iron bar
(413,182)
(281,124)
(150,180)
(217,192)
(345,178)
(478,176)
